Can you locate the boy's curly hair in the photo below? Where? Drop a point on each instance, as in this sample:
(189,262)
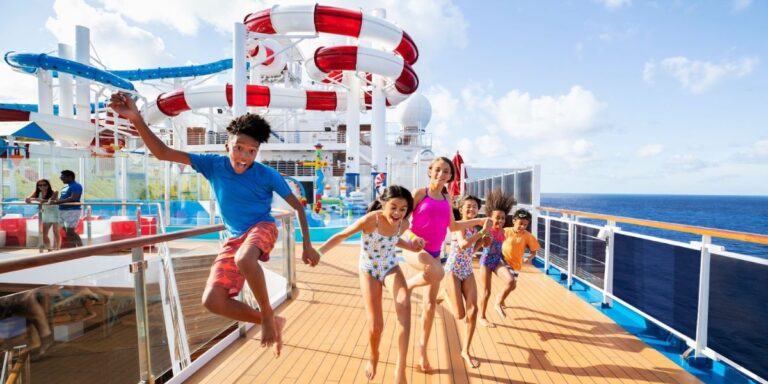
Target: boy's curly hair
(252,125)
(496,200)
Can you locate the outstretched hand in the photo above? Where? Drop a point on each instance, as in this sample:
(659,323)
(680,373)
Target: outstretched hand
(310,256)
(418,243)
(123,104)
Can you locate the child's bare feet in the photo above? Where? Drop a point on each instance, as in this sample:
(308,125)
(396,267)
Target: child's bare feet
(485,323)
(280,325)
(400,375)
(370,369)
(268,331)
(500,309)
(471,361)
(424,360)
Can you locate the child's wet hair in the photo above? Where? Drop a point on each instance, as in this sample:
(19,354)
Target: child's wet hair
(496,200)
(252,125)
(393,192)
(450,164)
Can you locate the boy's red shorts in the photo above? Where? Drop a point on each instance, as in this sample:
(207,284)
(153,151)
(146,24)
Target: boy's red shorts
(224,272)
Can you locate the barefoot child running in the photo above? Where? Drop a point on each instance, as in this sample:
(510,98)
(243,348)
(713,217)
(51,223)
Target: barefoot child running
(497,205)
(432,218)
(243,190)
(517,239)
(382,227)
(459,277)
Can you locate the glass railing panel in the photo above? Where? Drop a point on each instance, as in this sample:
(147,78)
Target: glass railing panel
(590,255)
(558,243)
(658,277)
(525,187)
(508,184)
(85,324)
(159,352)
(738,309)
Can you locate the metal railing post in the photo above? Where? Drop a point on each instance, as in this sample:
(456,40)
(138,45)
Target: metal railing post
(610,228)
(547,223)
(138,221)
(571,250)
(138,268)
(88,228)
(702,318)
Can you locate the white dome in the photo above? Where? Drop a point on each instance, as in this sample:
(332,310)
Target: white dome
(415,112)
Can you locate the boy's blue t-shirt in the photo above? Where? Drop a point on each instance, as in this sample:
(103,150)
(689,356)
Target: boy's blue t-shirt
(69,190)
(246,199)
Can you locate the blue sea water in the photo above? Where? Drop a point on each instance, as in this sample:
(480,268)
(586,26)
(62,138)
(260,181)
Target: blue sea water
(736,213)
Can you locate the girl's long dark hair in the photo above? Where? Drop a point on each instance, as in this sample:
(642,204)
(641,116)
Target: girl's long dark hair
(393,192)
(37,190)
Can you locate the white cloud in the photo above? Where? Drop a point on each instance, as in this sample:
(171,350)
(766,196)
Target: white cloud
(575,153)
(16,88)
(761,148)
(650,150)
(740,5)
(698,76)
(686,163)
(119,45)
(545,117)
(615,4)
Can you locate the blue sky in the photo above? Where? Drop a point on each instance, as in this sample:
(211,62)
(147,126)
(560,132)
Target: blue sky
(611,96)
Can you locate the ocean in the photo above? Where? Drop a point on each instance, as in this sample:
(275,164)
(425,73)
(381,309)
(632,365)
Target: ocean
(736,213)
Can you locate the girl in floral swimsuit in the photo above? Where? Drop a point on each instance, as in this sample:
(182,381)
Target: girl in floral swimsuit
(381,229)
(497,206)
(459,279)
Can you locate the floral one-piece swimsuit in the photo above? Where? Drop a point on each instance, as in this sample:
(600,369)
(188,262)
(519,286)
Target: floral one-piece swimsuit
(460,260)
(377,252)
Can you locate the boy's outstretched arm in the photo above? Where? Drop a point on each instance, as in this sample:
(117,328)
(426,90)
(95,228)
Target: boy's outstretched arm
(123,104)
(309,255)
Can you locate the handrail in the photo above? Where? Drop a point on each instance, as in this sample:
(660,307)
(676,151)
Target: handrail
(721,233)
(82,252)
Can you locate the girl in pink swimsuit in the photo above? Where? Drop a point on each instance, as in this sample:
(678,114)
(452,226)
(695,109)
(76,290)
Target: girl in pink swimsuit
(381,228)
(432,218)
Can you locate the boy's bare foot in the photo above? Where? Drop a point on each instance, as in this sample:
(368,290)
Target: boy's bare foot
(280,325)
(485,323)
(424,360)
(500,309)
(268,331)
(370,369)
(471,361)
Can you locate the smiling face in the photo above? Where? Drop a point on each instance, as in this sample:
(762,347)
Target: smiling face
(440,173)
(498,218)
(519,225)
(395,209)
(242,150)
(468,209)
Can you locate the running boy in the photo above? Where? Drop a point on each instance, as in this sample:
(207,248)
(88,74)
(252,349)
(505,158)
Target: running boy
(243,190)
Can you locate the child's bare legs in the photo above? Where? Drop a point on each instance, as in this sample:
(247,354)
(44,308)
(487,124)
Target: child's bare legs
(509,285)
(216,299)
(485,275)
(402,297)
(431,276)
(372,289)
(469,289)
(453,286)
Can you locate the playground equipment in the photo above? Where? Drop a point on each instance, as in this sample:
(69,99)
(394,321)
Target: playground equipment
(319,164)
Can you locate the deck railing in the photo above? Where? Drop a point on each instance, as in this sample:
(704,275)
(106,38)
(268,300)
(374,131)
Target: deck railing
(712,299)
(88,316)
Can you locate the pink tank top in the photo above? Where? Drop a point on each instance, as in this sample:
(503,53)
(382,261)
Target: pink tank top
(430,222)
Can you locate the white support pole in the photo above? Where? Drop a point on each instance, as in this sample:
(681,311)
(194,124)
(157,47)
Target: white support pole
(352,174)
(83,85)
(65,84)
(571,248)
(44,92)
(702,318)
(167,190)
(535,198)
(378,117)
(547,231)
(610,229)
(239,80)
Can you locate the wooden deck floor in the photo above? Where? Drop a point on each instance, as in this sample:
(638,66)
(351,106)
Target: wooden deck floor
(549,336)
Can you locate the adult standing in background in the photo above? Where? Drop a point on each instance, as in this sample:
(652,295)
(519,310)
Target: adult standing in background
(70,214)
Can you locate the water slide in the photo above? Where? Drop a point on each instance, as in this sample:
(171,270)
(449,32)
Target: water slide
(326,62)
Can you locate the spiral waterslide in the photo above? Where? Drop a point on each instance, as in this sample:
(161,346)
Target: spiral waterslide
(326,62)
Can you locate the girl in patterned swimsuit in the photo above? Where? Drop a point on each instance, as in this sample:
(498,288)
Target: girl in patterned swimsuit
(459,279)
(497,206)
(432,218)
(382,227)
